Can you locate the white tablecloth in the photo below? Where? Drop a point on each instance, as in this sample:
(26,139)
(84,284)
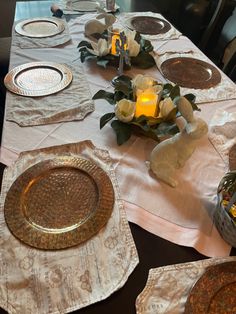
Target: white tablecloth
(182,215)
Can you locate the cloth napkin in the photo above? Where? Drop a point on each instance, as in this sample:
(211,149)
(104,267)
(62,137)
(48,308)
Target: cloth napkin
(167,287)
(173,33)
(46,42)
(39,281)
(72,103)
(222,132)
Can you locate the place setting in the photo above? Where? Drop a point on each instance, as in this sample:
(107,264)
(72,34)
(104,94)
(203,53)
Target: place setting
(64,220)
(200,287)
(38,91)
(152,25)
(87,6)
(41,32)
(193,72)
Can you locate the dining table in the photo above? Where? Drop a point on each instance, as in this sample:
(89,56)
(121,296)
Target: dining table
(158,240)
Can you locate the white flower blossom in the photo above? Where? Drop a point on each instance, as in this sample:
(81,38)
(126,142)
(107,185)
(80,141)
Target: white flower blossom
(166,106)
(132,45)
(142,82)
(101,48)
(125,110)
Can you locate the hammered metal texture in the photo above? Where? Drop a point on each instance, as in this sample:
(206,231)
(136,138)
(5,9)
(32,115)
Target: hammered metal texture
(232,158)
(85,6)
(59,203)
(38,79)
(190,72)
(149,25)
(214,292)
(40,27)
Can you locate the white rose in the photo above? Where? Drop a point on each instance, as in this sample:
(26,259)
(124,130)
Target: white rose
(142,82)
(132,45)
(125,110)
(101,48)
(166,106)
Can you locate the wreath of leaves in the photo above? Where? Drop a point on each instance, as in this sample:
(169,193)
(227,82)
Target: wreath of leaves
(156,128)
(143,60)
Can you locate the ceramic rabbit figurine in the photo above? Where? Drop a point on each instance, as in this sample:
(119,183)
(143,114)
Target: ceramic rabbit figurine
(94,26)
(172,153)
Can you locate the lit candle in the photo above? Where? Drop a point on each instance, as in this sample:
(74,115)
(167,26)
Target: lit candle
(146,104)
(115,36)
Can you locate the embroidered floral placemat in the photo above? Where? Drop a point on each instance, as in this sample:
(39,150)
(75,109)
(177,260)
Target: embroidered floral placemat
(38,281)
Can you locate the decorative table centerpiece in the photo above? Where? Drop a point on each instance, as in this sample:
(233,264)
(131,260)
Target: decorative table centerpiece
(143,106)
(105,44)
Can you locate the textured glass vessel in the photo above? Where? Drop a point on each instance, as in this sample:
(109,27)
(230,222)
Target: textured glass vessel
(225,213)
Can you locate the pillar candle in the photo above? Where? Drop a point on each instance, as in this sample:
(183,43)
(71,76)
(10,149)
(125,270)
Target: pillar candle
(146,104)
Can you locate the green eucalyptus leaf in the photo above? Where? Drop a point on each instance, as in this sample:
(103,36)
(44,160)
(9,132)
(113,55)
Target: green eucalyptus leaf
(143,60)
(102,62)
(175,92)
(85,43)
(102,94)
(106,118)
(138,37)
(118,95)
(123,84)
(166,90)
(190,97)
(146,45)
(123,131)
(166,128)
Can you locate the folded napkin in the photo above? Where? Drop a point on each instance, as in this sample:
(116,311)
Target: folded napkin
(224,90)
(173,33)
(72,103)
(62,281)
(222,133)
(167,287)
(46,42)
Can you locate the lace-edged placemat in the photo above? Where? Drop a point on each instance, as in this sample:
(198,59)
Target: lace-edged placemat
(46,42)
(173,33)
(224,90)
(38,281)
(71,103)
(167,287)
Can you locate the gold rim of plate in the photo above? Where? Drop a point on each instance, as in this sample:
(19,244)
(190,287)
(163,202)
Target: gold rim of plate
(36,79)
(40,27)
(59,203)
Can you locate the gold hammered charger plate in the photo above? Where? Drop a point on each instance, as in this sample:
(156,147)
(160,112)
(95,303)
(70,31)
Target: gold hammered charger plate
(40,27)
(148,25)
(232,158)
(59,203)
(36,79)
(190,72)
(214,292)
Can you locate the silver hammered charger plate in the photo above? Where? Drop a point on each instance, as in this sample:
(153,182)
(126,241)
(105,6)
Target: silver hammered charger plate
(38,79)
(40,27)
(85,6)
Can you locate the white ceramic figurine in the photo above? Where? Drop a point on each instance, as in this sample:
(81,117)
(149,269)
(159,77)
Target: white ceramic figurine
(172,153)
(94,26)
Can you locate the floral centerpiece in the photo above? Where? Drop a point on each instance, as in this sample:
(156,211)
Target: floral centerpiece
(102,47)
(143,106)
